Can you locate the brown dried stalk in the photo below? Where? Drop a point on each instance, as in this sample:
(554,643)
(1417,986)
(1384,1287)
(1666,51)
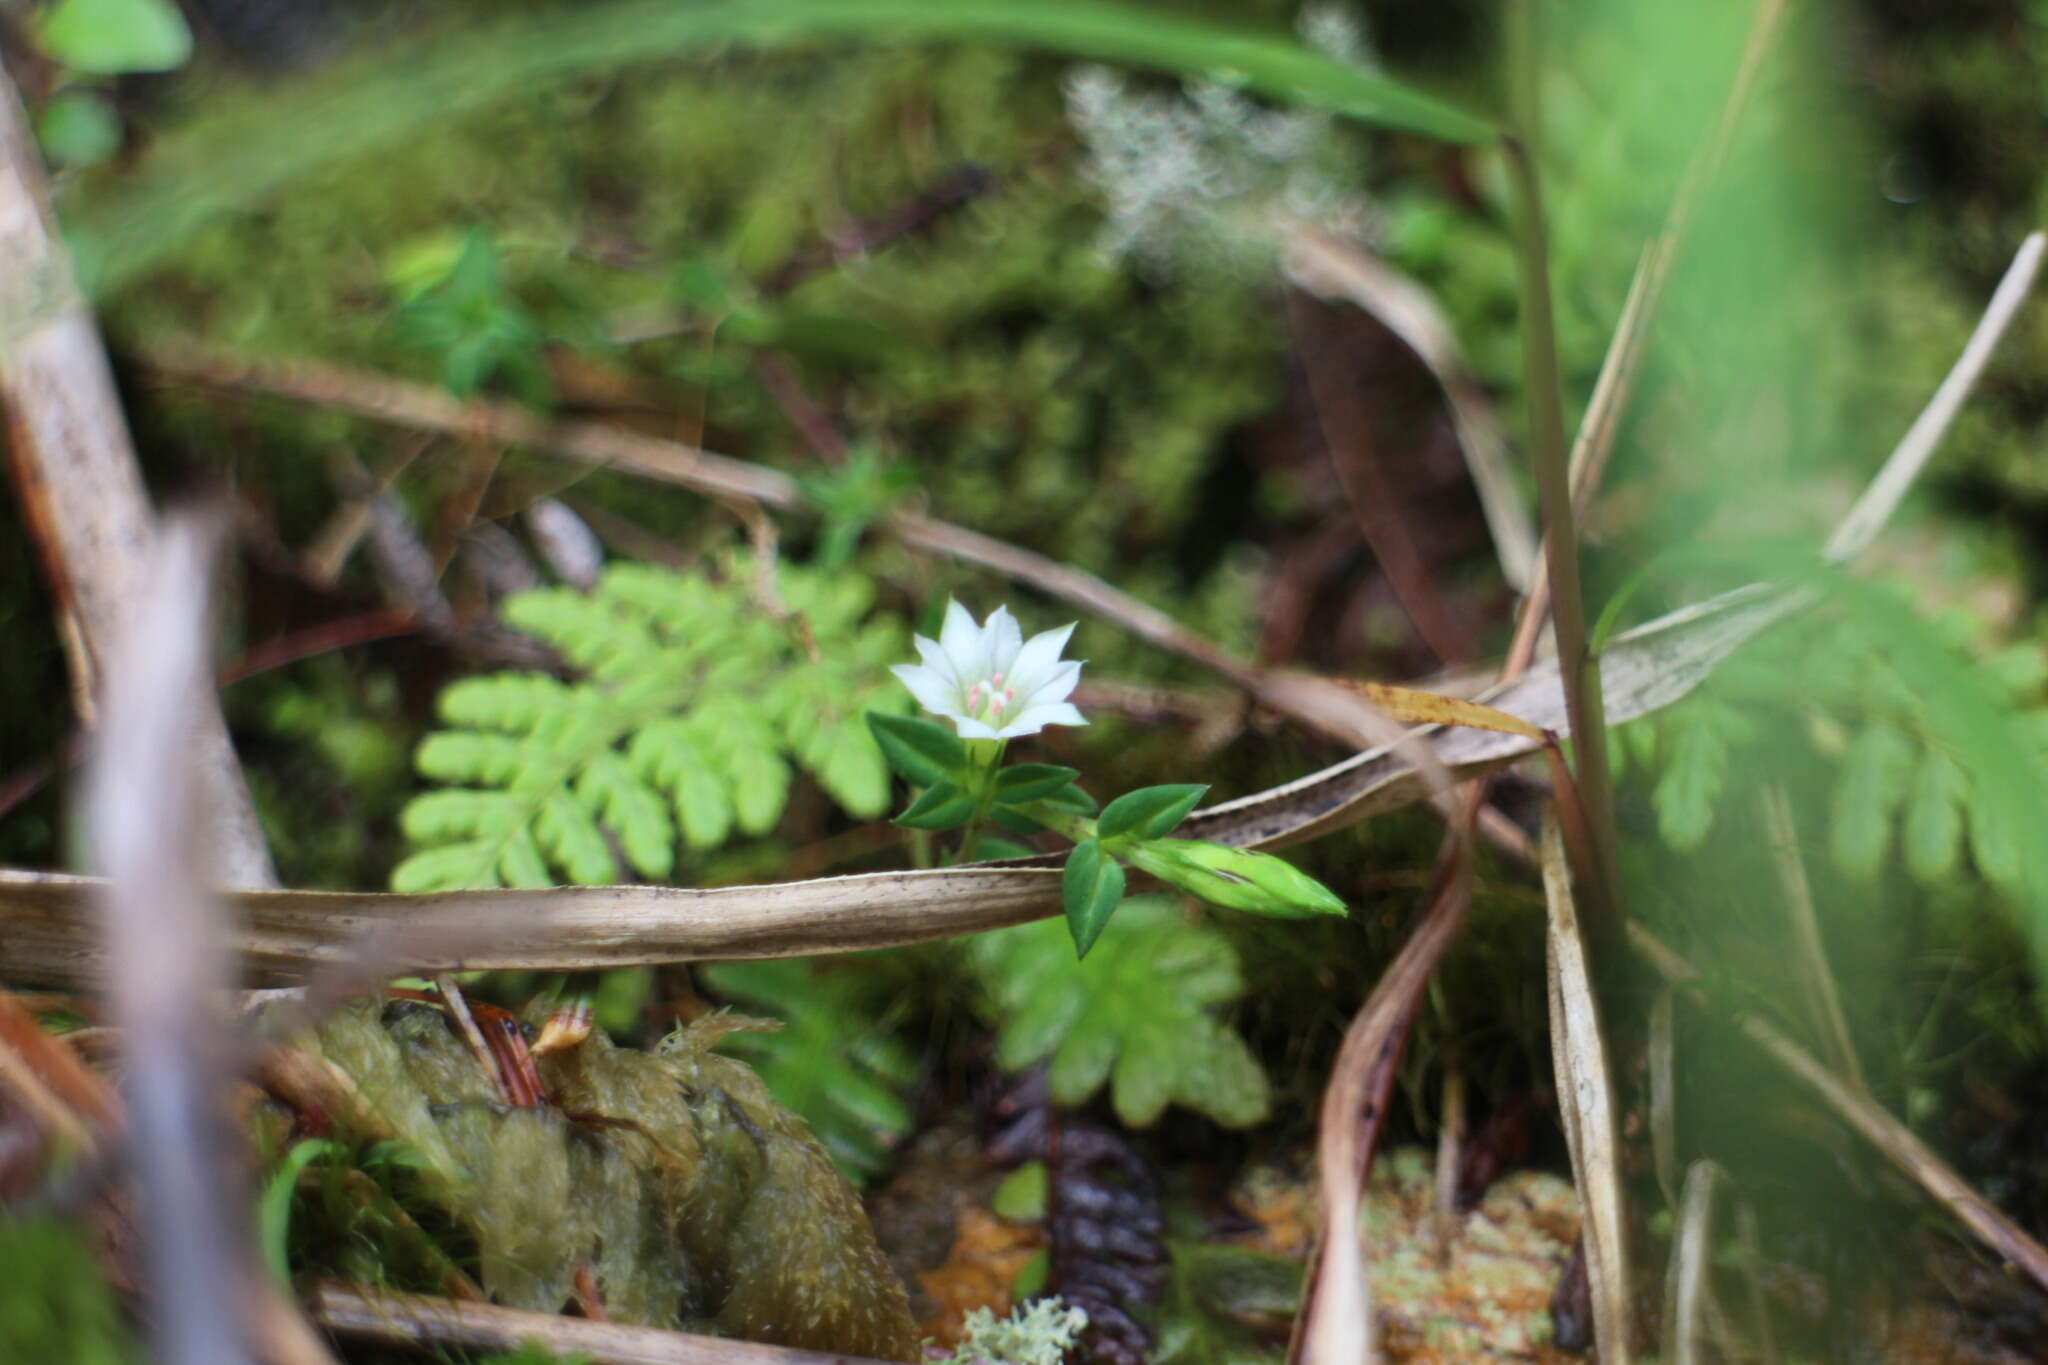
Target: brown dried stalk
(80,488)
(411,1319)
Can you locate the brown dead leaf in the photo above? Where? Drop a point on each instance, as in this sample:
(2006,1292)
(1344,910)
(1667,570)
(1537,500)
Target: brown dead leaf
(1411,707)
(988,1252)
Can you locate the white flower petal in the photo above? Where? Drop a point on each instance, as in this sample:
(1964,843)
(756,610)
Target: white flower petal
(938,661)
(957,677)
(1056,685)
(1037,659)
(960,637)
(934,693)
(1004,639)
(1032,719)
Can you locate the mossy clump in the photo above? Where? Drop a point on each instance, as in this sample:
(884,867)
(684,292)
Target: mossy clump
(690,1196)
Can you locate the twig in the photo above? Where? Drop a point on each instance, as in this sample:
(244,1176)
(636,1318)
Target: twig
(798,410)
(955,190)
(1822,1003)
(456,1006)
(1450,1154)
(1335,1327)
(80,488)
(167,956)
(410,1319)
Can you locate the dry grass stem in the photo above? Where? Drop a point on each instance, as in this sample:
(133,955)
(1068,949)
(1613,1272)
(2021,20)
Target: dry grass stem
(1892,1138)
(1818,996)
(1585,1098)
(413,1319)
(1917,446)
(1688,1288)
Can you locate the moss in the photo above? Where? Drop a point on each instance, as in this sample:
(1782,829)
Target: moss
(691,1195)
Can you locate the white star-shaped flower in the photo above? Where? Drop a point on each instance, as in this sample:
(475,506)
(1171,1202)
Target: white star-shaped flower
(989,680)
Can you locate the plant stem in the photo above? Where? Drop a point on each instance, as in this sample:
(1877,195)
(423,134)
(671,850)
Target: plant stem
(1576,667)
(988,760)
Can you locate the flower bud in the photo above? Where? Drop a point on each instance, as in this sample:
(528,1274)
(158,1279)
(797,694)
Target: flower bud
(1234,878)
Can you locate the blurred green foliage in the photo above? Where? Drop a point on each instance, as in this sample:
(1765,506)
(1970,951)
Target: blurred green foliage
(56,1303)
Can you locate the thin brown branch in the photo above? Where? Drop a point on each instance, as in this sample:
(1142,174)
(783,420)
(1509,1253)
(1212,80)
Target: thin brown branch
(1817,994)
(415,1320)
(1335,1326)
(798,410)
(80,488)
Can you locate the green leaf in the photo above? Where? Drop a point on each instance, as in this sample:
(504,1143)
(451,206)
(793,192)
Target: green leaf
(1148,812)
(1071,798)
(1092,884)
(1876,768)
(1024,782)
(1149,988)
(274,1213)
(1933,832)
(78,128)
(943,806)
(1696,746)
(116,37)
(921,752)
(439,82)
(1021,1196)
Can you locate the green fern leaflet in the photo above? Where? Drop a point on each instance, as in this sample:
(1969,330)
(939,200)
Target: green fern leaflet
(1138,1011)
(695,706)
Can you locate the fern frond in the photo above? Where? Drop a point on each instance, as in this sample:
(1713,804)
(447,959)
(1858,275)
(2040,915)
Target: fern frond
(694,710)
(1137,1012)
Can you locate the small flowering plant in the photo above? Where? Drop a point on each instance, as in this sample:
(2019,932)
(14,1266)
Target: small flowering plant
(991,682)
(993,686)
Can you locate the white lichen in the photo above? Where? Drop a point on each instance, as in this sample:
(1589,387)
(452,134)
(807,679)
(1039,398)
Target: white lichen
(1037,1333)
(1210,178)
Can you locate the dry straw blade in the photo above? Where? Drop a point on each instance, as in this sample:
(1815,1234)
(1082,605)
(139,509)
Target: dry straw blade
(1586,1100)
